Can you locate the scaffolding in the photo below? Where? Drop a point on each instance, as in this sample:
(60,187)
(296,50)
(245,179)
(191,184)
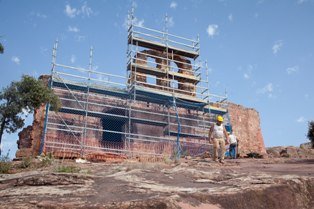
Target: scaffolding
(161,108)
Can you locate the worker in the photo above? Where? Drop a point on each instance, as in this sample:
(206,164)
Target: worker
(233,145)
(219,137)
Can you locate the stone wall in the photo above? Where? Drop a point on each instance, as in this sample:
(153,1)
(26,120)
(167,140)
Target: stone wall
(246,126)
(245,122)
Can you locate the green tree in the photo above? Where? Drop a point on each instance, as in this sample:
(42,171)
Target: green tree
(23,97)
(1,49)
(310,133)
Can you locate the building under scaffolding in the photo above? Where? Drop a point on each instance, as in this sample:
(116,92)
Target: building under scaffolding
(161,108)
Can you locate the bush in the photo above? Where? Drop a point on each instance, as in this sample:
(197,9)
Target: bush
(46,160)
(310,133)
(254,155)
(5,164)
(67,169)
(26,162)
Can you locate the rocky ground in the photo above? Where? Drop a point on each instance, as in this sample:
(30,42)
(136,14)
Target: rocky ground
(192,183)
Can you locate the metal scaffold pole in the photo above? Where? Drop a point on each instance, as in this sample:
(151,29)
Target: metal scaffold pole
(207,82)
(90,68)
(131,82)
(53,63)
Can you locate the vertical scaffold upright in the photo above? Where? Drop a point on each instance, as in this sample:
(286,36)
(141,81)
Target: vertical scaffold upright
(161,107)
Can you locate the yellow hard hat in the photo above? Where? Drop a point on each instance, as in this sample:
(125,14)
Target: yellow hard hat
(220,118)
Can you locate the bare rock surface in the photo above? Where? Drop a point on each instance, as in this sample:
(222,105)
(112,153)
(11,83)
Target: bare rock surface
(290,152)
(192,183)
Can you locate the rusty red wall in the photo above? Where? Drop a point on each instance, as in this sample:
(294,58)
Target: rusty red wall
(246,126)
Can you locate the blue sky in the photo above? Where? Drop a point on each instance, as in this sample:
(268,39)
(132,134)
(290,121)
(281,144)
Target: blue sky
(261,52)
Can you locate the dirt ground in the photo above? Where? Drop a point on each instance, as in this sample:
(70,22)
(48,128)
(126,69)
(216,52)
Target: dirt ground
(192,183)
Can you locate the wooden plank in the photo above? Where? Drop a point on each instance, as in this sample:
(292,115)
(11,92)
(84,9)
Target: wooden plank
(188,78)
(216,109)
(169,94)
(161,47)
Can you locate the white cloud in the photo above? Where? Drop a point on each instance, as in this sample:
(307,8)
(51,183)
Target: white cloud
(267,89)
(73,29)
(173,5)
(39,15)
(73,58)
(301,119)
(70,12)
(277,46)
(140,23)
(230,18)
(79,38)
(212,30)
(170,22)
(306,96)
(136,22)
(134,4)
(44,50)
(16,60)
(291,70)
(84,11)
(247,72)
(217,83)
(301,1)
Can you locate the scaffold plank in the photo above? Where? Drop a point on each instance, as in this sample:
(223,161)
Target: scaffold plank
(121,93)
(174,133)
(161,47)
(169,95)
(148,95)
(111,116)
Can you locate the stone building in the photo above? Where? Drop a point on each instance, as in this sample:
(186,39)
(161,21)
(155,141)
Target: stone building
(161,108)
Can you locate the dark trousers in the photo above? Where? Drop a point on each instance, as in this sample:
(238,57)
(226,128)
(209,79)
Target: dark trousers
(232,151)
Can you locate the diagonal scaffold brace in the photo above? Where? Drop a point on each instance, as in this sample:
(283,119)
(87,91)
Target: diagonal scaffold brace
(178,149)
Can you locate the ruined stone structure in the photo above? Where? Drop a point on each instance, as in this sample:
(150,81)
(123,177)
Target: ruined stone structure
(163,109)
(162,62)
(246,125)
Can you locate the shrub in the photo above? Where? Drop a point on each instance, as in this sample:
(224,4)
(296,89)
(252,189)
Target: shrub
(254,155)
(310,133)
(46,160)
(5,164)
(67,169)
(26,162)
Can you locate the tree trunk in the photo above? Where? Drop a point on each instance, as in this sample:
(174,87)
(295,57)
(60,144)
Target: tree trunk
(1,132)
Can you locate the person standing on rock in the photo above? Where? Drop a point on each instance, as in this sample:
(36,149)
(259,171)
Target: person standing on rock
(233,145)
(219,137)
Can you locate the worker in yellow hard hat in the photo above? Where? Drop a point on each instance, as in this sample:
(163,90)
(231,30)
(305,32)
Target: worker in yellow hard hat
(219,137)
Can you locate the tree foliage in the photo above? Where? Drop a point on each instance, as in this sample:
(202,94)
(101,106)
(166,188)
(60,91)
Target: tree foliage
(1,49)
(310,133)
(23,97)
